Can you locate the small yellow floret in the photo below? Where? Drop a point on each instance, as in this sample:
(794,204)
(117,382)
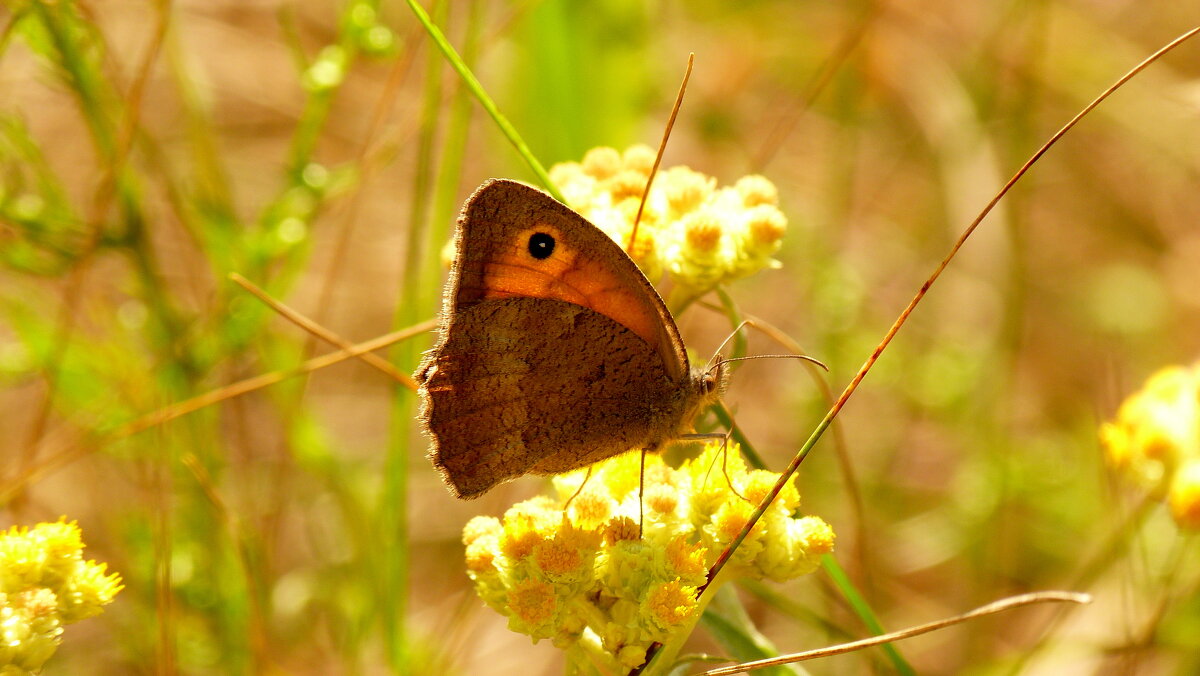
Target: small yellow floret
(631,657)
(619,529)
(45,584)
(480,526)
(639,158)
(520,537)
(481,555)
(702,231)
(756,190)
(671,604)
(1155,439)
(699,234)
(662,499)
(686,559)
(533,601)
(766,225)
(591,507)
(817,536)
(601,162)
(626,184)
(557,558)
(731,518)
(1184,496)
(685,189)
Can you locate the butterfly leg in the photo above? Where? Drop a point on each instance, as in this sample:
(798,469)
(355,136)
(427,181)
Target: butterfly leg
(724,450)
(579,490)
(641,493)
(724,469)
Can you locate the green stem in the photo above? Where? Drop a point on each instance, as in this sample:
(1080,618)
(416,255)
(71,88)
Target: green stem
(510,132)
(864,612)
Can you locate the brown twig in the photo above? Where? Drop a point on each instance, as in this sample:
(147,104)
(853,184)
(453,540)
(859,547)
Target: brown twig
(912,304)
(990,609)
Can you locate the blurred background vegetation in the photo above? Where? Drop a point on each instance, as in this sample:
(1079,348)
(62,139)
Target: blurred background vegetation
(150,149)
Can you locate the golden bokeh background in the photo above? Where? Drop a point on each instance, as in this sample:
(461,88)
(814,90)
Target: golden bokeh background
(321,150)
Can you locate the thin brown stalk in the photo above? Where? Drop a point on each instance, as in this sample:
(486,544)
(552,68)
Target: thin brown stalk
(349,219)
(783,127)
(662,147)
(64,452)
(318,331)
(891,333)
(845,466)
(989,609)
(101,199)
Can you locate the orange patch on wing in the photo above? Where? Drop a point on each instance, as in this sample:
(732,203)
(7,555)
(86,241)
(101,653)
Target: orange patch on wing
(573,276)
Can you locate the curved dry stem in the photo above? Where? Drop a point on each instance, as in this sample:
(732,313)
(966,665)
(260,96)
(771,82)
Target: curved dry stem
(66,451)
(317,331)
(912,304)
(662,146)
(989,609)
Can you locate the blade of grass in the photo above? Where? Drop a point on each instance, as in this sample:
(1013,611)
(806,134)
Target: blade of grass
(864,612)
(473,85)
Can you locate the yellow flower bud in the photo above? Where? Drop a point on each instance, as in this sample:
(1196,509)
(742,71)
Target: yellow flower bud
(739,230)
(601,162)
(662,499)
(626,184)
(631,657)
(481,555)
(756,190)
(766,226)
(480,526)
(525,526)
(1184,496)
(533,605)
(591,508)
(639,158)
(45,584)
(1155,440)
(619,529)
(669,605)
(686,560)
(685,189)
(702,233)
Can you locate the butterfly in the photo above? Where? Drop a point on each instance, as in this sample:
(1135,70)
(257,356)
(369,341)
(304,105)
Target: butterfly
(555,352)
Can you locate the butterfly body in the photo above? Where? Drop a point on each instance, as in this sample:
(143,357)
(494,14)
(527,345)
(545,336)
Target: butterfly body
(555,351)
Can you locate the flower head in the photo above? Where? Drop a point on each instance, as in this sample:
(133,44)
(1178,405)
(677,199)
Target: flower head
(1155,439)
(697,233)
(583,565)
(45,584)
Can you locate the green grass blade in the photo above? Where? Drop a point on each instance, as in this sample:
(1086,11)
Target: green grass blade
(864,612)
(486,101)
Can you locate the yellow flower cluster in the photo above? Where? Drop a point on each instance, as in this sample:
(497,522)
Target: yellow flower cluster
(697,233)
(44,585)
(1156,439)
(573,569)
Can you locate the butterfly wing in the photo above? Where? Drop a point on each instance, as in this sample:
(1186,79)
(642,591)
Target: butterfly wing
(508,393)
(494,259)
(555,352)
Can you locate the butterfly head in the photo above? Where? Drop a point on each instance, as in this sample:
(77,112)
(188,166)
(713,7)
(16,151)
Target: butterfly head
(711,380)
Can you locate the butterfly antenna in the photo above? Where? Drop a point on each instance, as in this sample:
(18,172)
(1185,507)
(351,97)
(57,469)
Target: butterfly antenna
(662,146)
(772,356)
(731,336)
(567,504)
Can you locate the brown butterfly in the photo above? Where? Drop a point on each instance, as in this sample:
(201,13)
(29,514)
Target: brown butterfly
(555,351)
